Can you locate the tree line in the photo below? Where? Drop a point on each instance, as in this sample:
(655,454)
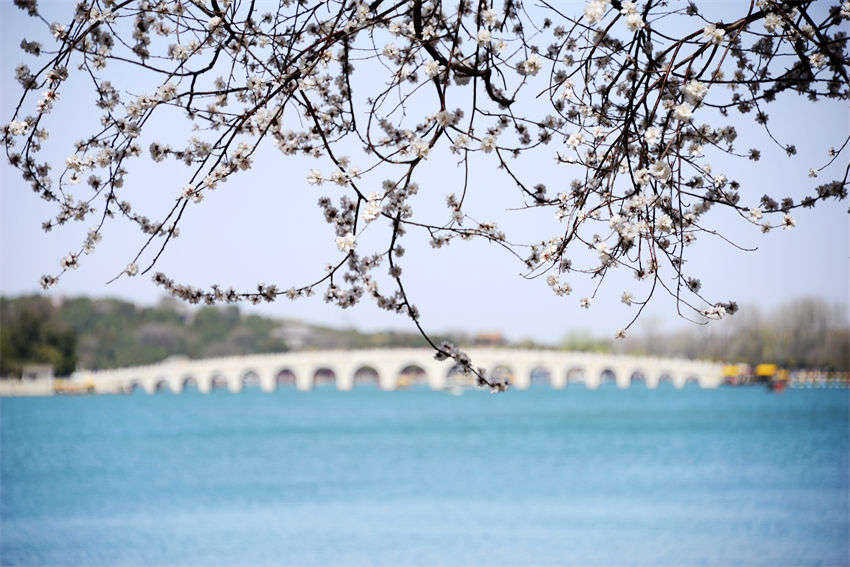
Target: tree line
(802,333)
(83,332)
(93,333)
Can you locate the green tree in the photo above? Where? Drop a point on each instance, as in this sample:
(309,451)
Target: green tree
(30,332)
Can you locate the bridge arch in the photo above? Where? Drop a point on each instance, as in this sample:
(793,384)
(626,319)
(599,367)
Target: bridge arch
(505,371)
(637,377)
(690,378)
(188,381)
(285,377)
(607,375)
(323,375)
(217,381)
(249,378)
(455,376)
(366,374)
(411,374)
(665,379)
(576,375)
(541,375)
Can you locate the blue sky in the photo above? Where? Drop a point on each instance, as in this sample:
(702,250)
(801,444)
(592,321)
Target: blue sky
(265,226)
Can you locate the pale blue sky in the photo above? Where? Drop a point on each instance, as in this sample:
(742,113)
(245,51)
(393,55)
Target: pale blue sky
(265,226)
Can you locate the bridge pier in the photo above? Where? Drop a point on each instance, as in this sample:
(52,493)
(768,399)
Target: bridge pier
(303,378)
(268,382)
(559,378)
(387,376)
(593,376)
(153,384)
(522,377)
(623,376)
(234,383)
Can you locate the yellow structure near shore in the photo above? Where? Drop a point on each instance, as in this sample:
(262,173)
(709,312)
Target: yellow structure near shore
(73,387)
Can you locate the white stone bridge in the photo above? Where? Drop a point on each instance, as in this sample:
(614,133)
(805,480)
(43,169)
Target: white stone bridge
(392,368)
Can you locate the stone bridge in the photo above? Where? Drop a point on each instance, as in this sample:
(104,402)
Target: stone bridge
(393,368)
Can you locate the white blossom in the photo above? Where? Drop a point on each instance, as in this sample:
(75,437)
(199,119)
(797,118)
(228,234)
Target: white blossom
(533,64)
(339,178)
(421,148)
(433,68)
(713,34)
(664,223)
(45,104)
(58,30)
(634,22)
(595,10)
(818,60)
(642,176)
(772,21)
(715,312)
(696,90)
(574,140)
(345,243)
(488,144)
(628,8)
(18,127)
(372,210)
(652,135)
(391,50)
(788,222)
(660,170)
(683,112)
(70,262)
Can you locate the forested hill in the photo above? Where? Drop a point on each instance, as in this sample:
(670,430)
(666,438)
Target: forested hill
(83,332)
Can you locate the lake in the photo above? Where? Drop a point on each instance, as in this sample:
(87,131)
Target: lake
(728,477)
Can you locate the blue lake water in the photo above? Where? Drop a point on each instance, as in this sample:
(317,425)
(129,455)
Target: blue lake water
(730,477)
